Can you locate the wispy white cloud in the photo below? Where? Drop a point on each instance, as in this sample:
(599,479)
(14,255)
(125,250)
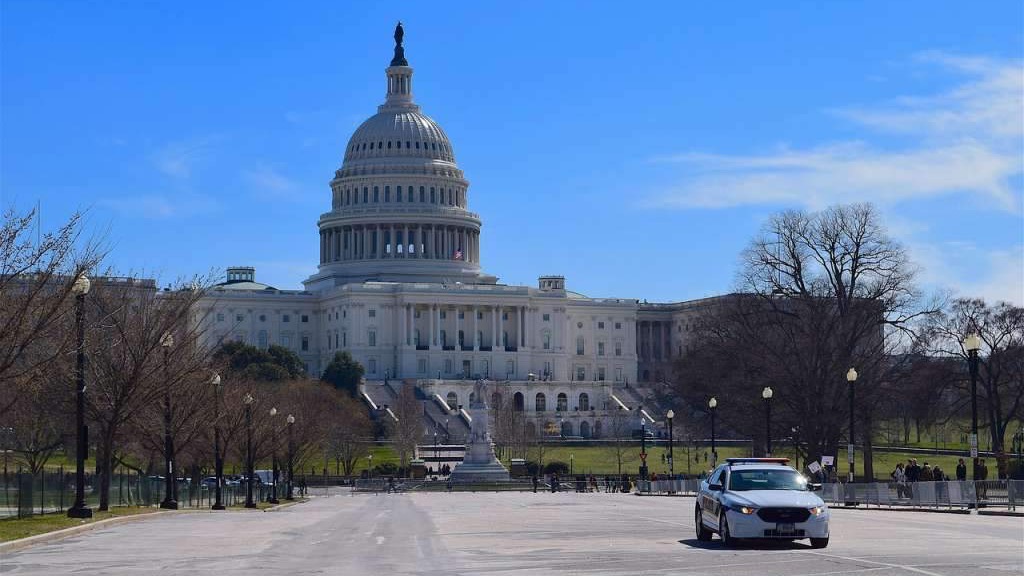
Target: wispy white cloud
(179,159)
(963,141)
(160,206)
(267,179)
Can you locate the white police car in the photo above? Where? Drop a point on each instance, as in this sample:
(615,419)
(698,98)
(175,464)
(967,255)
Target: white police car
(760,498)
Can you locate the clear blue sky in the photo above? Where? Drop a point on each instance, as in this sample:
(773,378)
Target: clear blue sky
(633,147)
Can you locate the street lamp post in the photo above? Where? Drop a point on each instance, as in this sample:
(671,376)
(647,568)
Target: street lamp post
(671,468)
(170,500)
(291,457)
(249,502)
(218,462)
(273,458)
(571,459)
(437,464)
(767,394)
(79,510)
(851,378)
(972,343)
(447,436)
(712,405)
(643,444)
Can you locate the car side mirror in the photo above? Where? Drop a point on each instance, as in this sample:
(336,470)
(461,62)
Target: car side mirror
(715,487)
(814,487)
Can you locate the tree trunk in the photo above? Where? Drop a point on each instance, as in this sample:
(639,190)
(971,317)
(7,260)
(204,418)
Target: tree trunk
(104,468)
(868,452)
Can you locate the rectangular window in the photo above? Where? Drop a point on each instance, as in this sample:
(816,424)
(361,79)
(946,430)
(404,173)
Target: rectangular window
(286,318)
(461,314)
(479,315)
(618,325)
(372,366)
(220,317)
(447,366)
(510,368)
(344,339)
(444,315)
(305,343)
(239,318)
(600,373)
(581,373)
(286,341)
(373,313)
(328,339)
(618,348)
(504,315)
(305,318)
(373,337)
(600,348)
(421,366)
(600,325)
(547,317)
(618,374)
(417,314)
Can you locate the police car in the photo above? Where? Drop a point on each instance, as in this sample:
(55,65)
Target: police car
(760,498)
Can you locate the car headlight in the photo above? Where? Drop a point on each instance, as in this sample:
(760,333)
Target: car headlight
(746,510)
(817,510)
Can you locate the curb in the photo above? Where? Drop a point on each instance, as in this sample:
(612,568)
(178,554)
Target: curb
(929,510)
(22,543)
(999,513)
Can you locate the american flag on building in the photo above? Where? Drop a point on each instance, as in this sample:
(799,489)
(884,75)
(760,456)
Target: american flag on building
(458,255)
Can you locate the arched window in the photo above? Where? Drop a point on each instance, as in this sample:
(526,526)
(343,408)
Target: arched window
(563,402)
(453,401)
(566,428)
(387,193)
(584,401)
(433,198)
(398,193)
(597,429)
(366,194)
(541,402)
(376,194)
(410,193)
(580,348)
(495,400)
(585,429)
(422,190)
(517,402)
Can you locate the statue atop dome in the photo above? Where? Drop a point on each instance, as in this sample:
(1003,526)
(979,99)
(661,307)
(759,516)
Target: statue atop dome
(399,59)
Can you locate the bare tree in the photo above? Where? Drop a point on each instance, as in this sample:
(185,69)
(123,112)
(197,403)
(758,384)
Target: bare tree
(406,432)
(350,433)
(37,271)
(1001,359)
(127,319)
(819,293)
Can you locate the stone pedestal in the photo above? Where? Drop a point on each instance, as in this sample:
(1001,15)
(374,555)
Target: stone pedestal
(480,464)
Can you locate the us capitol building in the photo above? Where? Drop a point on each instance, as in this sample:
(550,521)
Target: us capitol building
(400,286)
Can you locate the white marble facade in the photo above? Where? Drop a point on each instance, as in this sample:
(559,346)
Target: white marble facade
(400,283)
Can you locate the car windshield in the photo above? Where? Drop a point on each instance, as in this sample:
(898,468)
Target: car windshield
(781,479)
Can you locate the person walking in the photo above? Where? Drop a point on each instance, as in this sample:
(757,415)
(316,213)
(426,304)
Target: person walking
(913,472)
(554,483)
(900,478)
(982,476)
(961,470)
(536,482)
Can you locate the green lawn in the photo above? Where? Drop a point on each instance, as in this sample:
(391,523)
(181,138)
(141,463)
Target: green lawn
(15,528)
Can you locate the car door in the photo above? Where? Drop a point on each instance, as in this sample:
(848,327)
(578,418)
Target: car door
(711,499)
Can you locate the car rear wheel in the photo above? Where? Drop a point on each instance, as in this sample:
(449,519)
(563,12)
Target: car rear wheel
(723,531)
(703,534)
(819,542)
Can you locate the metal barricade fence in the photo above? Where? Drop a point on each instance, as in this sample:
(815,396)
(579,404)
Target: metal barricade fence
(946,494)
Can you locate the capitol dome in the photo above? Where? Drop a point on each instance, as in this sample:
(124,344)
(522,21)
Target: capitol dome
(399,133)
(400,204)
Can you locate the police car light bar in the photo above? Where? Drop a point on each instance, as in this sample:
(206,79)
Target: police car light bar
(757,460)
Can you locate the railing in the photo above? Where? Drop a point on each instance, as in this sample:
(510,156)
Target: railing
(950,494)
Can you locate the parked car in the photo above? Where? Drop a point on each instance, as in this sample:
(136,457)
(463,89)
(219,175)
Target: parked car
(760,498)
(210,482)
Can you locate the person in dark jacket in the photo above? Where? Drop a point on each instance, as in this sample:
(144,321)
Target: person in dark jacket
(536,482)
(961,470)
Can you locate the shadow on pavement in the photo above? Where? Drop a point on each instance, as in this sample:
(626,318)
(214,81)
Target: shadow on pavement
(747,545)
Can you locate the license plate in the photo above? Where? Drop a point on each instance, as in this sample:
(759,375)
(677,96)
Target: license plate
(785,528)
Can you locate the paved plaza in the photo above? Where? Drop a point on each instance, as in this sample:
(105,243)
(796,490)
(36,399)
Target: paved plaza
(517,533)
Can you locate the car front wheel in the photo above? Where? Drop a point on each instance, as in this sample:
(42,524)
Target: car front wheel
(819,542)
(703,534)
(723,531)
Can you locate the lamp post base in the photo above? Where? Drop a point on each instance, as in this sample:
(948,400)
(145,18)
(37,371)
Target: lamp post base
(250,504)
(273,501)
(217,507)
(79,512)
(169,504)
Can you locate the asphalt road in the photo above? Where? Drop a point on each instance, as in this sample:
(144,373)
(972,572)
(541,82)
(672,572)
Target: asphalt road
(518,534)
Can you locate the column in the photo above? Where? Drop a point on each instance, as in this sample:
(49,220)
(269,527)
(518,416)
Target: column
(437,325)
(406,242)
(402,328)
(650,341)
(430,335)
(336,244)
(476,327)
(501,327)
(430,242)
(494,327)
(458,326)
(519,326)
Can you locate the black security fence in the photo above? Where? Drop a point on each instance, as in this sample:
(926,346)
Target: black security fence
(24,494)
